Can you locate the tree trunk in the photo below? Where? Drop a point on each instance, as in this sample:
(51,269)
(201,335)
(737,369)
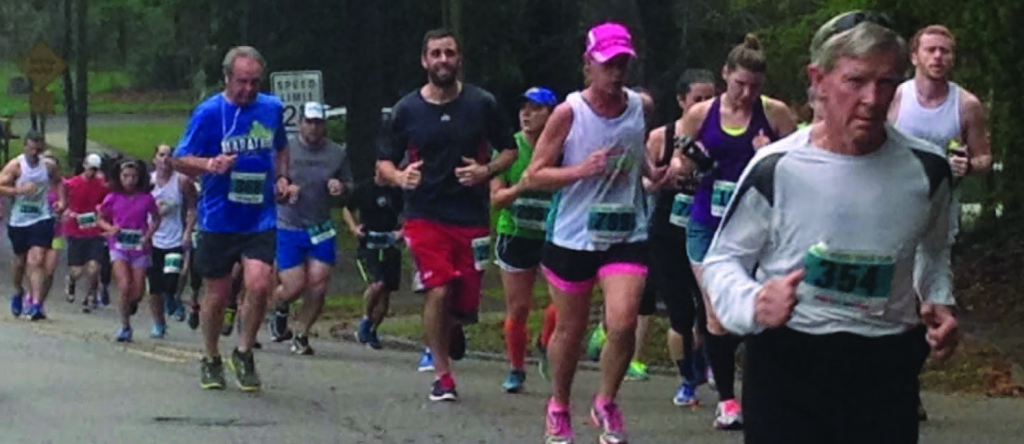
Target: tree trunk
(75,156)
(363,122)
(78,117)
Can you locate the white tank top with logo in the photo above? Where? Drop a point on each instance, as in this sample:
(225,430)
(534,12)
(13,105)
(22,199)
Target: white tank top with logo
(594,213)
(937,125)
(170,200)
(34,208)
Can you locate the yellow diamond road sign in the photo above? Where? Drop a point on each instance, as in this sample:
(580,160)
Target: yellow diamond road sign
(42,66)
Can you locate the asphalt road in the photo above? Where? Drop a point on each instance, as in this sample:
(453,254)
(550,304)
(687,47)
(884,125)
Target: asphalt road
(66,381)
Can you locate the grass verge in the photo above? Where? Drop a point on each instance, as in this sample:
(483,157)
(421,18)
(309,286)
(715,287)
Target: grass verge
(137,139)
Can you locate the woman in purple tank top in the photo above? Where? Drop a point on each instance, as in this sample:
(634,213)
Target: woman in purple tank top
(729,128)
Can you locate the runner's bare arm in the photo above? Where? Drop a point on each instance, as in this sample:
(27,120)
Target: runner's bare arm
(690,127)
(391,174)
(57,182)
(502,195)
(350,221)
(154,222)
(191,165)
(8,176)
(188,192)
(780,117)
(655,150)
(975,129)
(543,172)
(894,108)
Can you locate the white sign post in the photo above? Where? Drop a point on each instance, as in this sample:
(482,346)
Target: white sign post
(295,88)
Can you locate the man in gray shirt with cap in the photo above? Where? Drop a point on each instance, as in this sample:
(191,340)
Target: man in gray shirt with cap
(305,231)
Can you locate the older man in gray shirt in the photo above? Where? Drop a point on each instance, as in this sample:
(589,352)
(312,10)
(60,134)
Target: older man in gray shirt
(305,231)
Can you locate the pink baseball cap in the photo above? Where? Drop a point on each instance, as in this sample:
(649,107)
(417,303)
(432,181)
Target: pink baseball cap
(608,40)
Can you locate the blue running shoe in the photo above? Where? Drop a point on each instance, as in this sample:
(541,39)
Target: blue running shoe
(514,382)
(32,312)
(158,332)
(124,335)
(16,304)
(426,361)
(686,396)
(365,331)
(37,312)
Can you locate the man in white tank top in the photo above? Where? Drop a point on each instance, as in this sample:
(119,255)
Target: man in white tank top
(30,227)
(933,108)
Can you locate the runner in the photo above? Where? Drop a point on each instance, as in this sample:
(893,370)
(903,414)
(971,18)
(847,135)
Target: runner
(52,259)
(306,250)
(670,268)
(831,236)
(129,216)
(934,108)
(448,129)
(592,151)
(730,127)
(30,227)
(87,249)
(379,260)
(195,278)
(236,143)
(521,230)
(175,198)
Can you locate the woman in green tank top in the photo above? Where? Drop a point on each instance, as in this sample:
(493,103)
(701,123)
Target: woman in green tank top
(522,224)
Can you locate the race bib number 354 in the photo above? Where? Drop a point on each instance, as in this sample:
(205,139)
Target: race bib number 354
(247,188)
(853,280)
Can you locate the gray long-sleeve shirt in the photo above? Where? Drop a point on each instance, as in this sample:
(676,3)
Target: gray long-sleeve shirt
(887,212)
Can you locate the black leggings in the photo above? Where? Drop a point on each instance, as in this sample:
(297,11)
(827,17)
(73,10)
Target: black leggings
(837,388)
(721,351)
(673,281)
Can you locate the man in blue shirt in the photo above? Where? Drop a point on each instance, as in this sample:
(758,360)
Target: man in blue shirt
(235,143)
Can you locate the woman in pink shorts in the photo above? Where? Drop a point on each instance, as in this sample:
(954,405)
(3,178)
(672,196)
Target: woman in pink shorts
(129,216)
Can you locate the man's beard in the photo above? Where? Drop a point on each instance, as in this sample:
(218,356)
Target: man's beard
(443,81)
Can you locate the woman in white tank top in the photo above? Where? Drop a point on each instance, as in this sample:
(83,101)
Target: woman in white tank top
(592,152)
(174,194)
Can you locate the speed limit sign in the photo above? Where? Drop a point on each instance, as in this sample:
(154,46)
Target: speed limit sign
(295,88)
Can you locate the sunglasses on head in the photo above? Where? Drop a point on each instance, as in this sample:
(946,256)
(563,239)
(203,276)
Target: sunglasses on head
(851,20)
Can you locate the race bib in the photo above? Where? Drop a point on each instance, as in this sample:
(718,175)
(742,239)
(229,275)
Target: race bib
(379,241)
(247,188)
(86,220)
(530,214)
(481,252)
(721,194)
(681,207)
(321,232)
(173,263)
(29,208)
(128,240)
(851,280)
(610,223)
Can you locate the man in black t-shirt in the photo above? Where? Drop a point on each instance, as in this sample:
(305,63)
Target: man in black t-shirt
(378,258)
(448,129)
